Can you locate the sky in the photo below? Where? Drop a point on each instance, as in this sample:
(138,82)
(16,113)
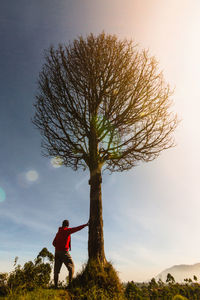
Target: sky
(150,213)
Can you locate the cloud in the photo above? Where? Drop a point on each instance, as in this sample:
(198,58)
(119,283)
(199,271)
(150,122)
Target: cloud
(19,217)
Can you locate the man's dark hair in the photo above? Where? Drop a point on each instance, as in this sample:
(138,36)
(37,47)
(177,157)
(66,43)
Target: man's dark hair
(65,223)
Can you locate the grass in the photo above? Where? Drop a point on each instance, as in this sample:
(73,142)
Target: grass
(39,294)
(179,297)
(78,294)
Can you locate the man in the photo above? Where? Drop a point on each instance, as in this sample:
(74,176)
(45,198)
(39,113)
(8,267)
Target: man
(62,244)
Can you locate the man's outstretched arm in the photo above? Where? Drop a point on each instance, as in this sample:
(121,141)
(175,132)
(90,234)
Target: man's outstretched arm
(75,229)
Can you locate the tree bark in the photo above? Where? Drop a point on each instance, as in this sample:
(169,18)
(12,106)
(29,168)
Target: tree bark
(96,240)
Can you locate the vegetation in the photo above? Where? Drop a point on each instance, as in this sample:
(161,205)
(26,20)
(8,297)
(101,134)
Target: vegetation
(94,282)
(102,104)
(29,277)
(97,281)
(160,290)
(37,294)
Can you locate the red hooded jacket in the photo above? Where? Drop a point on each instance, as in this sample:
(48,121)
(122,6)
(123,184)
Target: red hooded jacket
(62,239)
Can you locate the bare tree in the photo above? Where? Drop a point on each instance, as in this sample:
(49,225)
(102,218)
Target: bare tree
(102,104)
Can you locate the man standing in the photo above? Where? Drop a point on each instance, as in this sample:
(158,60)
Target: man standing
(62,244)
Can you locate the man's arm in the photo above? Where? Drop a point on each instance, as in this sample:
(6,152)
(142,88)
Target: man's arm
(75,229)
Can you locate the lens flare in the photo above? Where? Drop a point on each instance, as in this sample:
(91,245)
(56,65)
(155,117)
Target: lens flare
(32,175)
(56,162)
(2,195)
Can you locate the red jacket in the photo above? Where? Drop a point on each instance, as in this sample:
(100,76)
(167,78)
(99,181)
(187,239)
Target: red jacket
(62,239)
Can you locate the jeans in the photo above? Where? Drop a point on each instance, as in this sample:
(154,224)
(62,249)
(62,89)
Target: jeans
(60,258)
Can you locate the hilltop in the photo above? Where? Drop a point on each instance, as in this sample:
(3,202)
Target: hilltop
(180,272)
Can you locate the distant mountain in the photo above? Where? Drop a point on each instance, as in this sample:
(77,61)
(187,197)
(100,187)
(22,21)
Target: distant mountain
(180,272)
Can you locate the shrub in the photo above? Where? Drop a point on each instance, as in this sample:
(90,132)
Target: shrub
(30,276)
(3,284)
(132,291)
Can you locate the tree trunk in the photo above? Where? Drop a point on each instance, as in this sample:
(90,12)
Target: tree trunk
(96,240)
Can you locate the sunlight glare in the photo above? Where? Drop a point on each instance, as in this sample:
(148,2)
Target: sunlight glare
(56,162)
(32,175)
(2,195)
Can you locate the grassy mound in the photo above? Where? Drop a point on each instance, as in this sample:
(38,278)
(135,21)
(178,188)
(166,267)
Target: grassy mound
(97,281)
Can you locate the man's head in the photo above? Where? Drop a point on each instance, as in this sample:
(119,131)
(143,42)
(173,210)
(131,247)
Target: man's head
(65,223)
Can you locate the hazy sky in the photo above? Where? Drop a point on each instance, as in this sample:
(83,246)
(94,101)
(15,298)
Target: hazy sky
(151,213)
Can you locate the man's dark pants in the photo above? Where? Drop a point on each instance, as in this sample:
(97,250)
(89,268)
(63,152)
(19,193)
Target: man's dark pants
(60,258)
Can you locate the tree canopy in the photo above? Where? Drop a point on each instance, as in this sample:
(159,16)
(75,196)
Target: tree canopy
(108,89)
